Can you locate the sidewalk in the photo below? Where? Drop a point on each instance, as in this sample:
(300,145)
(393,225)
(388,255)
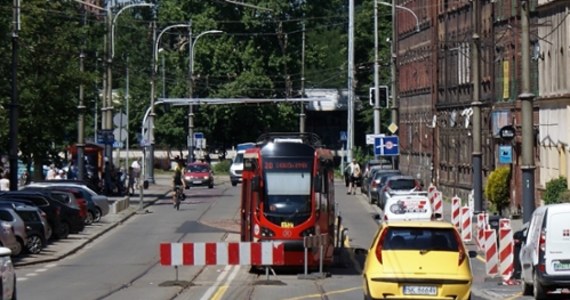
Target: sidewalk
(58,249)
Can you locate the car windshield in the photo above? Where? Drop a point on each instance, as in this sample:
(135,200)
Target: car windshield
(402,184)
(238,159)
(197,168)
(420,238)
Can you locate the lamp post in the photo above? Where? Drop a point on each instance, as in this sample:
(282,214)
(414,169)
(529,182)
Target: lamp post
(192,44)
(150,159)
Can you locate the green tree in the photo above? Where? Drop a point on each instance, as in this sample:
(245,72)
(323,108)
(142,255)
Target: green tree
(497,189)
(556,191)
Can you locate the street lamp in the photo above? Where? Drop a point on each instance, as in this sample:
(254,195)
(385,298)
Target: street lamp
(108,107)
(190,90)
(149,170)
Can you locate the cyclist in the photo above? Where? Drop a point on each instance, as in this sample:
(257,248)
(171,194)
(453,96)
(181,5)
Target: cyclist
(178,184)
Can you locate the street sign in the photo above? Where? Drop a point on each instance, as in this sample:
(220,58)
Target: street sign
(387,146)
(198,135)
(393,128)
(118,144)
(120,120)
(370,138)
(120,134)
(105,136)
(506,154)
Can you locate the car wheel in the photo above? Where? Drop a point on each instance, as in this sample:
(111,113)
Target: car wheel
(537,289)
(526,288)
(89,218)
(234,183)
(97,216)
(18,249)
(62,230)
(35,244)
(211,185)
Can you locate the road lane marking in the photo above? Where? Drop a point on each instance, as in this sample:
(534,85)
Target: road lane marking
(213,288)
(223,288)
(325,294)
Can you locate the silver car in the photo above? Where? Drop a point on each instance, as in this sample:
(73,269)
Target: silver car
(8,274)
(8,214)
(8,239)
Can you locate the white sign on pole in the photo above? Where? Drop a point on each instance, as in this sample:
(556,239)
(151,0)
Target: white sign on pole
(120,120)
(370,138)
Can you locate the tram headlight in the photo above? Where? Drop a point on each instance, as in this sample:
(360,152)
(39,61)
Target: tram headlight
(266,232)
(308,232)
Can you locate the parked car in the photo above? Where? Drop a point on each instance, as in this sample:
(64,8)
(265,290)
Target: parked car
(199,174)
(377,180)
(417,260)
(395,184)
(8,274)
(101,202)
(8,239)
(62,218)
(408,207)
(7,214)
(64,196)
(545,255)
(36,227)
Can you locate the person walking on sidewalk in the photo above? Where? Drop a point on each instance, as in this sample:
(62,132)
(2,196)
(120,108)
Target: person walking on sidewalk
(355,174)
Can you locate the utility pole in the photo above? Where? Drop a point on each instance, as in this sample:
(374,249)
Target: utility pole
(350,123)
(13,154)
(190,92)
(527,121)
(81,119)
(302,116)
(476,106)
(108,126)
(150,139)
(394,67)
(377,124)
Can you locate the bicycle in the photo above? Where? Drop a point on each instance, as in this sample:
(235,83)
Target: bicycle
(178,196)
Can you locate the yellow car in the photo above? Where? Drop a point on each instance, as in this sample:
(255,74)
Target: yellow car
(417,260)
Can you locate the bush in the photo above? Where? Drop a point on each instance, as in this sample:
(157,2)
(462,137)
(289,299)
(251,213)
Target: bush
(556,191)
(222,167)
(497,190)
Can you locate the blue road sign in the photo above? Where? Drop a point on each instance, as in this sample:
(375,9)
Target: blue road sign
(506,154)
(387,146)
(198,135)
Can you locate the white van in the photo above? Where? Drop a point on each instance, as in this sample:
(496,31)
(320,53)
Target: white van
(409,206)
(545,255)
(237,164)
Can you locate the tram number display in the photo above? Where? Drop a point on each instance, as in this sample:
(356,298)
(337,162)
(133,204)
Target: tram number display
(287,225)
(286,165)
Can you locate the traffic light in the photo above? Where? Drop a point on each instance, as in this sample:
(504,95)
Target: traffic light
(383,96)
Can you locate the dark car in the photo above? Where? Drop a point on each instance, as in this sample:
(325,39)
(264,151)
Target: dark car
(198,174)
(35,227)
(67,196)
(62,218)
(378,179)
(397,184)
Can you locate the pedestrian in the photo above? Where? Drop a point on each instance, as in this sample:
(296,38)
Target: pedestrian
(60,175)
(355,173)
(5,183)
(51,173)
(131,184)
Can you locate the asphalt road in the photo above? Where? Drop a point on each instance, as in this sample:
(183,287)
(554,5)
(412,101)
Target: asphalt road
(123,263)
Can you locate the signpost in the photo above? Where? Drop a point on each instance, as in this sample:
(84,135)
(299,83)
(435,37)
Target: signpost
(387,146)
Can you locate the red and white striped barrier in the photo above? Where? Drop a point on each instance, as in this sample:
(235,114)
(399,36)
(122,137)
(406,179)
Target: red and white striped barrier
(456,211)
(236,253)
(438,204)
(482,222)
(491,257)
(466,228)
(506,249)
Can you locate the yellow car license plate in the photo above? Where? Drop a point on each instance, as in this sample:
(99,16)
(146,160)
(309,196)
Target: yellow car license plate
(420,290)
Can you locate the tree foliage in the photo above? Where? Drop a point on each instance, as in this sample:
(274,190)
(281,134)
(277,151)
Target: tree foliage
(497,190)
(556,191)
(257,56)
